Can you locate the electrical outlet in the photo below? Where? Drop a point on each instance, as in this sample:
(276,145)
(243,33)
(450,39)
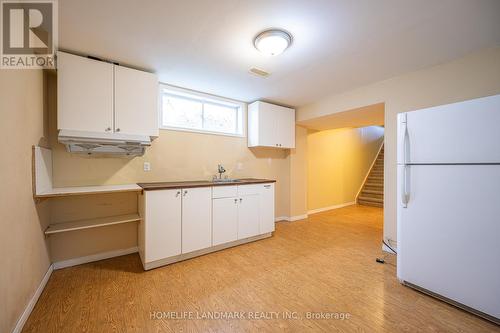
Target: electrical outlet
(147,166)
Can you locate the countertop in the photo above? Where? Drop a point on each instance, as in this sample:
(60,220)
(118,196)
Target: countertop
(200,183)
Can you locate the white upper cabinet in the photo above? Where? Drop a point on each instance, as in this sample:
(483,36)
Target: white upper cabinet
(270,125)
(136,98)
(100,97)
(84,94)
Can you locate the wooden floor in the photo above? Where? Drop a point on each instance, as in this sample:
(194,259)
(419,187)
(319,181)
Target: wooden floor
(323,264)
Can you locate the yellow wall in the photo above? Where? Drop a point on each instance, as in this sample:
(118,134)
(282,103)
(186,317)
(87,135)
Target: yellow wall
(25,257)
(337,163)
(475,75)
(298,167)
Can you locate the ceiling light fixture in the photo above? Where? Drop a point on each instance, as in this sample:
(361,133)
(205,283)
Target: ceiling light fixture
(273,41)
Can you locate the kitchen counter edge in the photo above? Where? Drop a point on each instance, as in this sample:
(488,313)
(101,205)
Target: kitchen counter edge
(201,183)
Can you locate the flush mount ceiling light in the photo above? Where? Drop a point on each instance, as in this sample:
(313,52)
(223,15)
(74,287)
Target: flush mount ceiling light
(273,41)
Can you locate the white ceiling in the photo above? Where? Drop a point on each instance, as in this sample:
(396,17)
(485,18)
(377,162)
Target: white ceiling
(206,45)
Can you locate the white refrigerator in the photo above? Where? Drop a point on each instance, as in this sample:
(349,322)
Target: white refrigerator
(449,203)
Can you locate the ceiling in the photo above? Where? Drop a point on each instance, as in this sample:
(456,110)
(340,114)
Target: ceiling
(338,45)
(364,116)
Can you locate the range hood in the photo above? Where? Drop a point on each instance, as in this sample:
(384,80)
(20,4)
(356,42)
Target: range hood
(92,143)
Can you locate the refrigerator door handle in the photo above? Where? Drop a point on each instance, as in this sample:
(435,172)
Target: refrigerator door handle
(406,144)
(405,191)
(403,139)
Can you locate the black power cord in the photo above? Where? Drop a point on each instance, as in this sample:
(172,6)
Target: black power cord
(381,260)
(383,241)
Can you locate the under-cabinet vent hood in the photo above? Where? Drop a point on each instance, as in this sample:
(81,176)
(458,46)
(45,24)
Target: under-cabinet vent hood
(91,143)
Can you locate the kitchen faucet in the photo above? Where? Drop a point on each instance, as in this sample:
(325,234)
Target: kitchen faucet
(220,170)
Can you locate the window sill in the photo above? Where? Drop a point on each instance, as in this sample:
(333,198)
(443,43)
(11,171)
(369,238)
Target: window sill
(178,129)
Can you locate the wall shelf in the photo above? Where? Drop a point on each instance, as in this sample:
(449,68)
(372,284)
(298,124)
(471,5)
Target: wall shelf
(86,190)
(91,223)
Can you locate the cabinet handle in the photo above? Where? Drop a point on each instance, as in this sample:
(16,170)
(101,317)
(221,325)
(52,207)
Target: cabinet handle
(118,130)
(185,192)
(178,193)
(108,129)
(235,201)
(241,199)
(267,186)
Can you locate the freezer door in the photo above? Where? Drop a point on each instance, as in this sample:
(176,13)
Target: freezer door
(449,234)
(465,132)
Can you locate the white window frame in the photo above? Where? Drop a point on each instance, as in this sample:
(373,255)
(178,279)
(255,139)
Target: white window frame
(204,98)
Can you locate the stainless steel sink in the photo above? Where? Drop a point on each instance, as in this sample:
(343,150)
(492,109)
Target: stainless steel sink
(225,180)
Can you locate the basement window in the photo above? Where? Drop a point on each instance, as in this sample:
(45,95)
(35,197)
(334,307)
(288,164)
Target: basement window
(185,110)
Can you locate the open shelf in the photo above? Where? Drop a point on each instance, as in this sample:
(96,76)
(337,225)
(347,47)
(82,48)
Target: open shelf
(85,190)
(91,223)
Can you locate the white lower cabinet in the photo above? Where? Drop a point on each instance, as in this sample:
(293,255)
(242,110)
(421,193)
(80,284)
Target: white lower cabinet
(178,222)
(224,220)
(196,219)
(160,230)
(267,218)
(248,216)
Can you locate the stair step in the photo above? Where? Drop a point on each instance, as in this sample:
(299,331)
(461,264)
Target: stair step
(368,203)
(373,192)
(371,199)
(375,184)
(373,196)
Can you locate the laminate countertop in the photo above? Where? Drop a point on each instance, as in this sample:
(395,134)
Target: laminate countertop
(200,183)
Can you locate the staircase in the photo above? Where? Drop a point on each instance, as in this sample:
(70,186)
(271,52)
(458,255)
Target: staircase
(372,193)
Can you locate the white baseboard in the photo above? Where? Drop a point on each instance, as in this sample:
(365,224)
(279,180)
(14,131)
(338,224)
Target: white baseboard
(31,304)
(291,218)
(94,257)
(323,209)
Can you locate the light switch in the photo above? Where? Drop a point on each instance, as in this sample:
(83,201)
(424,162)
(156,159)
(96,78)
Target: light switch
(147,166)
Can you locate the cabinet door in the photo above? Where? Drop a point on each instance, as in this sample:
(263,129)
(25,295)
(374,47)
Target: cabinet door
(196,219)
(224,220)
(286,130)
(136,102)
(268,126)
(162,224)
(267,208)
(248,216)
(84,94)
